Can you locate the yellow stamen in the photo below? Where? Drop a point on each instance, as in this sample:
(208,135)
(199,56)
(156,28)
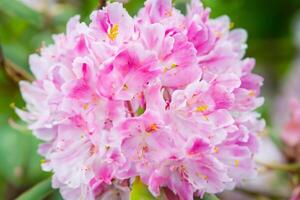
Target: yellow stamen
(236,163)
(251,93)
(113,32)
(42,161)
(216,149)
(85,106)
(153,127)
(169,13)
(202,108)
(204,177)
(173,66)
(125,87)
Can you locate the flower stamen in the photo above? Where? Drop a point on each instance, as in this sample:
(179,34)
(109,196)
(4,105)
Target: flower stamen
(113,32)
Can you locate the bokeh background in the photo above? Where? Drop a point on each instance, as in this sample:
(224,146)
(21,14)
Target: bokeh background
(26,25)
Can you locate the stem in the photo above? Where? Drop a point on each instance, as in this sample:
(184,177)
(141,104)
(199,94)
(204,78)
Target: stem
(293,168)
(15,72)
(257,193)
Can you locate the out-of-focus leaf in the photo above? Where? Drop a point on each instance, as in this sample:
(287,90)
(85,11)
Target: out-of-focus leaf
(55,196)
(210,197)
(16,8)
(16,53)
(2,189)
(60,21)
(275,137)
(19,160)
(87,7)
(33,164)
(38,192)
(133,6)
(140,191)
(16,156)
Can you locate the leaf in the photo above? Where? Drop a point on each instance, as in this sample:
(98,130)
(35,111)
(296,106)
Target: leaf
(17,8)
(20,163)
(133,6)
(38,192)
(2,188)
(55,196)
(140,111)
(140,191)
(210,197)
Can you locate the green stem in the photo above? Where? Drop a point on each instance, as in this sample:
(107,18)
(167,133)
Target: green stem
(293,168)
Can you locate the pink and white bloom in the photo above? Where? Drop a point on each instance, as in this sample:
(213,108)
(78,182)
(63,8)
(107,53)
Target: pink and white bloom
(162,96)
(291,130)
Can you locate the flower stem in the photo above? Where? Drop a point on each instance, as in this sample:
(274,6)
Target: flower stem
(15,72)
(293,168)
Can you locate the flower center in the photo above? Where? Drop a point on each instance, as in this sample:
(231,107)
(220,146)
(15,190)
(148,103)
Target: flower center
(202,108)
(113,32)
(152,128)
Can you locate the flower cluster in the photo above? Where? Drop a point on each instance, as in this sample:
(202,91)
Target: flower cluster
(164,97)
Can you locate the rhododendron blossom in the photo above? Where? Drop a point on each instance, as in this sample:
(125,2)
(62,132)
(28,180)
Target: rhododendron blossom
(163,97)
(291,130)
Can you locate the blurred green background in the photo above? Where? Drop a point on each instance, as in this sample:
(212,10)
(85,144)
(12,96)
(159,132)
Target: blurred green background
(23,28)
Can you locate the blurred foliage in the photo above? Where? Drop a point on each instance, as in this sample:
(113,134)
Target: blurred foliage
(23,29)
(140,191)
(38,192)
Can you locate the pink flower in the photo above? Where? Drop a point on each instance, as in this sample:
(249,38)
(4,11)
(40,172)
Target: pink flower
(291,130)
(165,97)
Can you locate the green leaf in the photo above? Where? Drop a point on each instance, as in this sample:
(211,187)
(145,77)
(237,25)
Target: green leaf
(210,197)
(12,155)
(140,191)
(38,192)
(2,188)
(133,6)
(140,111)
(16,8)
(55,196)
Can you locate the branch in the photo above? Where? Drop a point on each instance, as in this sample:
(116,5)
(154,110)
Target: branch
(15,72)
